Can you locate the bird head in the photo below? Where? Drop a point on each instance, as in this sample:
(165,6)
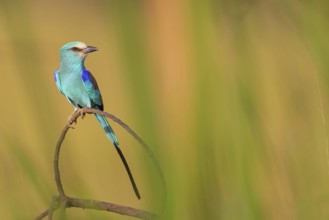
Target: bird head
(75,51)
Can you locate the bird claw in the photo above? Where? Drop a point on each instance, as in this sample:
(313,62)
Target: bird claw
(71,122)
(82,112)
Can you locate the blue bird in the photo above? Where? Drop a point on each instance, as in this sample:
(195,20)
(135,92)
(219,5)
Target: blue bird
(80,88)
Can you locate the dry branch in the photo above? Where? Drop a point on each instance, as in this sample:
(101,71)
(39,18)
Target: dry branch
(62,201)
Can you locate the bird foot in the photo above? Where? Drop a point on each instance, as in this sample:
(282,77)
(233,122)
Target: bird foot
(70,121)
(82,112)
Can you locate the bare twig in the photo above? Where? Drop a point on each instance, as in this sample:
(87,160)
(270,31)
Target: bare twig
(56,159)
(63,201)
(102,206)
(106,206)
(42,214)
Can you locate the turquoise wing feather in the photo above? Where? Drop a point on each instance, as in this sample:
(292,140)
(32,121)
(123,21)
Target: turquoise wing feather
(57,81)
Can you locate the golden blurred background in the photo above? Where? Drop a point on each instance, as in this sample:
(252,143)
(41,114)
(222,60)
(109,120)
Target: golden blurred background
(231,96)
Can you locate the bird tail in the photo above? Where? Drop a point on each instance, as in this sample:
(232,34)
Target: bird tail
(107,128)
(113,138)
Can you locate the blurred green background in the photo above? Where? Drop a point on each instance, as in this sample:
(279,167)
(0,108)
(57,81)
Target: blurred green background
(232,97)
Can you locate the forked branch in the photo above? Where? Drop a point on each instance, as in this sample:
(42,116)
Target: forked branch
(62,201)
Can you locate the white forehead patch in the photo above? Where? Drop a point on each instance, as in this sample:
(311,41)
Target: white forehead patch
(81,45)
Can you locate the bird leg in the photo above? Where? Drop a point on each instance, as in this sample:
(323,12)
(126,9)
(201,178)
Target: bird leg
(80,111)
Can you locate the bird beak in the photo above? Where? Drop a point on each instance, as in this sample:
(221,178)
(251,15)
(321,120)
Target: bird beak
(90,49)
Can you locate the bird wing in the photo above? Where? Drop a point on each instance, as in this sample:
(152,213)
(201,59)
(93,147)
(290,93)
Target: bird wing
(57,81)
(90,84)
(59,86)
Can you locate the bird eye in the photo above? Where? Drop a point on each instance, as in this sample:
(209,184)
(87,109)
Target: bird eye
(75,49)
